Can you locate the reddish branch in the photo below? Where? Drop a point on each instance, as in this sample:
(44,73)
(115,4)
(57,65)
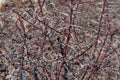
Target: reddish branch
(100,24)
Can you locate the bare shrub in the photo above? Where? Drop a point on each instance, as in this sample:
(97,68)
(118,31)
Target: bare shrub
(60,40)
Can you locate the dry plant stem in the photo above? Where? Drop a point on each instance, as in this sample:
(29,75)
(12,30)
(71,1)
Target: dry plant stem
(99,53)
(22,58)
(108,26)
(105,57)
(62,3)
(21,48)
(69,29)
(39,21)
(68,38)
(100,25)
(82,53)
(93,70)
(41,7)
